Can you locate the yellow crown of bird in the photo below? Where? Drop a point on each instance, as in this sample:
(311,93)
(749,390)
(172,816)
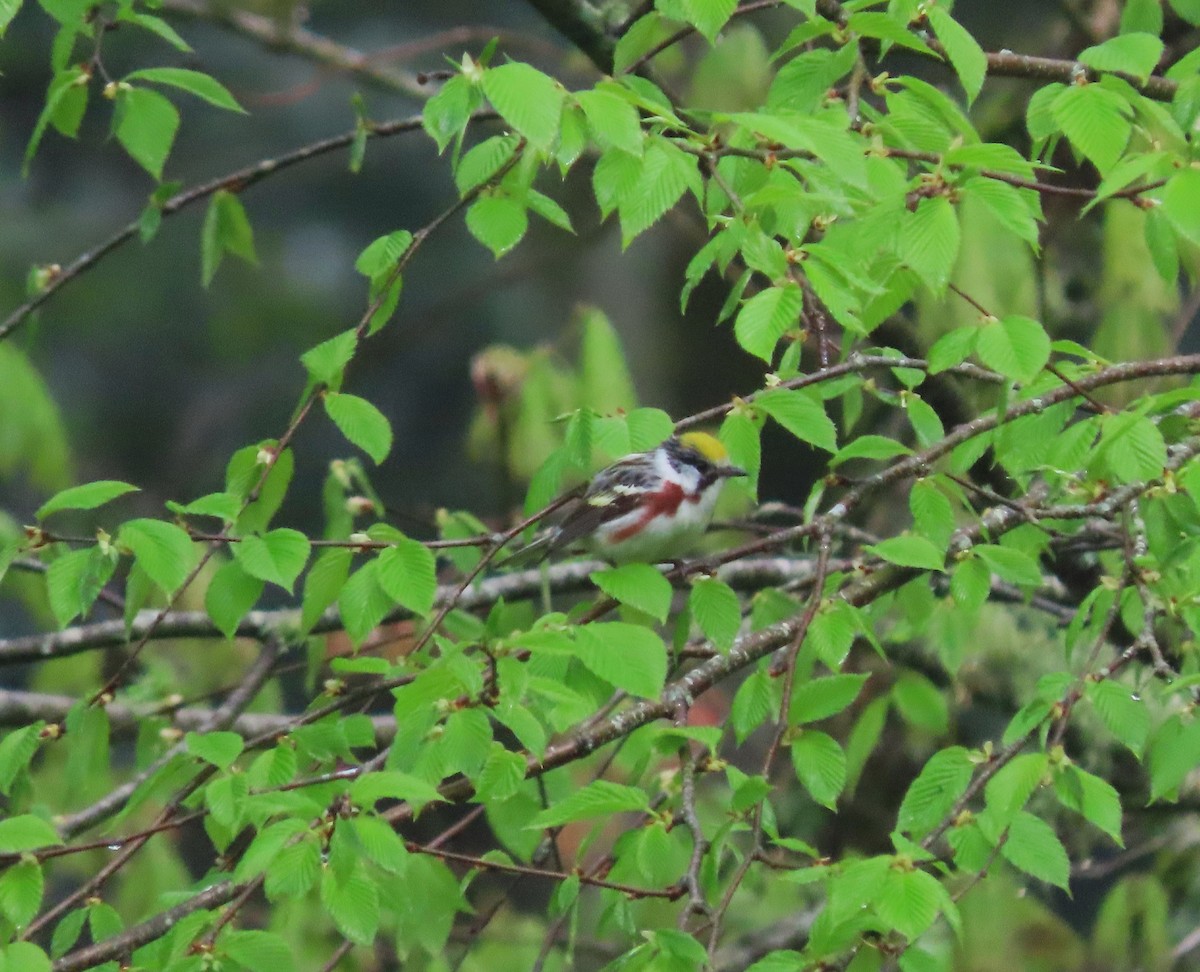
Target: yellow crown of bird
(709,446)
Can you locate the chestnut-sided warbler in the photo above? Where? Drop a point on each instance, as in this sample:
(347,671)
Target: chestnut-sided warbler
(649,506)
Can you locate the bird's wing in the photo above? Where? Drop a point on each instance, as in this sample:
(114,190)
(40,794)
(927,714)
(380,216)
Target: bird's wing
(614,492)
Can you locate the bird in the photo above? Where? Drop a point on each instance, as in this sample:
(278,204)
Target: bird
(646,507)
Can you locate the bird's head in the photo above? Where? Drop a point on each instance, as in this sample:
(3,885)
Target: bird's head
(707,453)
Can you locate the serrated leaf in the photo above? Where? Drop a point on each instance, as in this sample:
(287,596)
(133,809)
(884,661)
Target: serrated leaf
(820,765)
(75,580)
(218,748)
(1011,565)
(324,583)
(1017,347)
(257,949)
(626,656)
(293,871)
(1135,54)
(501,776)
(231,594)
(193,82)
(613,121)
(276,557)
(601,798)
(766,317)
(326,361)
(1096,121)
(921,703)
(163,550)
(870,447)
(709,16)
(933,515)
(146,124)
(363,603)
(1133,449)
(527,99)
(821,698)
(498,221)
(1034,848)
(752,705)
(1095,799)
(909,901)
(226,229)
(85,497)
(929,240)
(21,887)
(716,610)
(408,574)
(801,415)
(446,114)
(942,780)
(353,904)
(369,789)
(638,585)
(911,551)
(361,423)
(26,832)
(1125,715)
(967,57)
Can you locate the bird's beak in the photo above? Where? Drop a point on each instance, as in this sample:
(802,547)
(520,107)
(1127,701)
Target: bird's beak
(730,471)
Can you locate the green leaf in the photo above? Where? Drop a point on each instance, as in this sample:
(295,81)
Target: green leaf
(801,414)
(709,16)
(193,82)
(1017,347)
(26,832)
(605,382)
(363,603)
(933,516)
(932,795)
(21,887)
(502,775)
(380,257)
(223,506)
(638,585)
(1181,203)
(766,317)
(1010,789)
(1096,121)
(909,901)
(1096,799)
(498,221)
(163,550)
(821,698)
(716,609)
(921,703)
(8,10)
(408,574)
(601,798)
(527,99)
(25,957)
(17,750)
(326,361)
(626,656)
(971,583)
(1173,754)
(361,423)
(446,114)
(929,241)
(352,903)
(66,101)
(1125,715)
(659,180)
(1132,447)
(67,932)
(368,790)
(324,583)
(1134,54)
(226,229)
(257,949)
(145,124)
(870,447)
(820,765)
(752,704)
(911,551)
(887,28)
(75,580)
(218,748)
(483,161)
(1034,848)
(613,121)
(276,557)
(85,497)
(967,57)
(1010,565)
(293,871)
